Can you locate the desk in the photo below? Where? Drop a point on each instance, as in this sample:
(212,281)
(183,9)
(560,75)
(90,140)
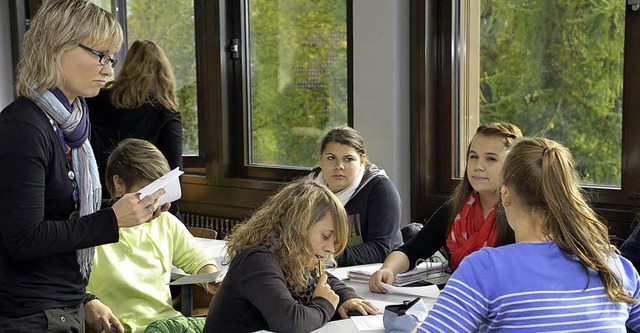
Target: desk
(212,247)
(215,248)
(362,289)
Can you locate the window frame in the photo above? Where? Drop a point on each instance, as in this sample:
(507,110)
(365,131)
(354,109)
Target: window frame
(238,97)
(223,185)
(433,58)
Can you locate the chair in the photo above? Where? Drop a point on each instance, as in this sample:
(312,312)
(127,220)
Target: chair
(203,232)
(410,230)
(195,301)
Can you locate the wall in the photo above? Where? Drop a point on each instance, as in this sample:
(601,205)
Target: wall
(6,67)
(381,87)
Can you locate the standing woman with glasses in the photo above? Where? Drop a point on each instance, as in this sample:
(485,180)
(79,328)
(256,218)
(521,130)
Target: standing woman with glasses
(140,103)
(49,216)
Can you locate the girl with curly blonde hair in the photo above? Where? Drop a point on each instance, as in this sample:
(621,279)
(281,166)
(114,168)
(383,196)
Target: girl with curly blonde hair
(275,279)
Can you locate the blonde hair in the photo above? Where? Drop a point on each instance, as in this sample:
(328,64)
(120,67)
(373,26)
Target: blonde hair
(283,224)
(146,77)
(57,27)
(541,172)
(134,160)
(509,133)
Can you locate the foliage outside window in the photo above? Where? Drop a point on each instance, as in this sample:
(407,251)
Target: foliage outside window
(298,78)
(555,69)
(169,24)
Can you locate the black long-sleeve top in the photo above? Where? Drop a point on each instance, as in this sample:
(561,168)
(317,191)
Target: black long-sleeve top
(377,208)
(254,296)
(430,238)
(38,242)
(630,249)
(153,123)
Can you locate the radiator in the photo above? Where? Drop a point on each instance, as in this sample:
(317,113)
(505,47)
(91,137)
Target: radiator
(223,225)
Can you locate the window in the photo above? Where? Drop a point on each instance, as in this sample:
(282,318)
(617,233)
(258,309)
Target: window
(556,69)
(561,81)
(259,82)
(297,59)
(170,24)
(288,73)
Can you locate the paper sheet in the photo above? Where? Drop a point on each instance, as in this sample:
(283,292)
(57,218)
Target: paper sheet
(424,291)
(194,279)
(368,323)
(171,184)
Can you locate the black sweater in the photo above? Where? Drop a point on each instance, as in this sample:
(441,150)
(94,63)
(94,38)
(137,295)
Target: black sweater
(430,238)
(254,296)
(153,123)
(38,267)
(377,207)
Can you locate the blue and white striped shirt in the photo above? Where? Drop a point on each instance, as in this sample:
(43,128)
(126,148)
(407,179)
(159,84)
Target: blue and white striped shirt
(531,287)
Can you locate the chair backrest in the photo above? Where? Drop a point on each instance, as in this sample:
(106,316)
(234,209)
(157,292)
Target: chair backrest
(203,232)
(200,298)
(410,230)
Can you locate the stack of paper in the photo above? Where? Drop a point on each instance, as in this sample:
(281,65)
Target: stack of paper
(421,272)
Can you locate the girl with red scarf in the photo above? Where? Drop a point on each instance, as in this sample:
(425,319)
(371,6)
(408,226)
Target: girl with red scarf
(468,221)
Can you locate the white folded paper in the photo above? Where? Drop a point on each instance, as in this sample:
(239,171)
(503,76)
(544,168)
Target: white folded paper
(431,291)
(194,279)
(171,184)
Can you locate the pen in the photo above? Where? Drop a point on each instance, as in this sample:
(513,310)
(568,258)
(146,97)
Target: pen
(320,267)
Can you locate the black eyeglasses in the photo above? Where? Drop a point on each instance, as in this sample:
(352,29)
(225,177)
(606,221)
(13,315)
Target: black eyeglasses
(104,59)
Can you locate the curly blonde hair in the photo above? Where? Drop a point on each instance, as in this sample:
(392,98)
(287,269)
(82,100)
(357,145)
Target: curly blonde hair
(146,77)
(57,27)
(283,224)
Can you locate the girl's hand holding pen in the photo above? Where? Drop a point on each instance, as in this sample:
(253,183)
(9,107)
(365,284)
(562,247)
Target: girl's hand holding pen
(323,289)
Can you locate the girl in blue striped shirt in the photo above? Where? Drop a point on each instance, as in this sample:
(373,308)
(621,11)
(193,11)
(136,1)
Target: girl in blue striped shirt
(562,275)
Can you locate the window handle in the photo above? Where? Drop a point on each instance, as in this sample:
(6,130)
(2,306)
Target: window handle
(635,4)
(233,47)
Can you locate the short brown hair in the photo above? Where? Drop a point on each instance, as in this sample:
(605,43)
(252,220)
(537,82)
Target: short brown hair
(134,160)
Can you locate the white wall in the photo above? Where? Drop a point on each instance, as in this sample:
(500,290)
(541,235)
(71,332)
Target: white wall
(381,87)
(6,68)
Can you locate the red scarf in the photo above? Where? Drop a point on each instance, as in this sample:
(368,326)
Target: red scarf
(470,230)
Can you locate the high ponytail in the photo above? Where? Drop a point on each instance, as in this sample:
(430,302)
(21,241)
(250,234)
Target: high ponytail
(542,174)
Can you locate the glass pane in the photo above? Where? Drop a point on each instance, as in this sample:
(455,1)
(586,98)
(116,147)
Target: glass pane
(555,68)
(298,78)
(170,24)
(105,4)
